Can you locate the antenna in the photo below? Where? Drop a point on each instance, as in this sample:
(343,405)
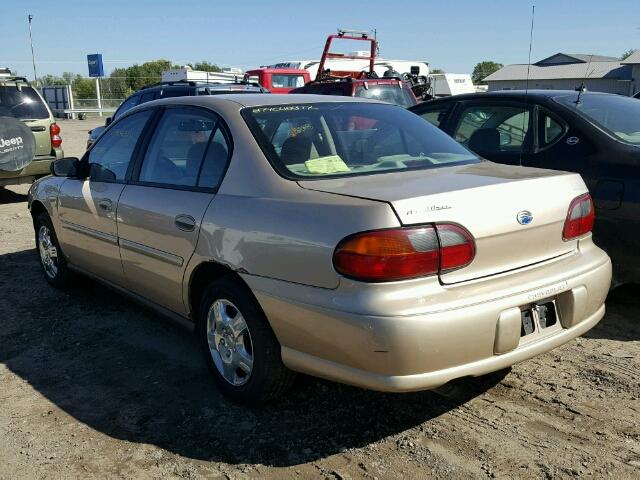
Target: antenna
(533,16)
(582,86)
(526,87)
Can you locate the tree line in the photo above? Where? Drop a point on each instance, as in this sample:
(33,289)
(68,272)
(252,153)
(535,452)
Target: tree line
(121,82)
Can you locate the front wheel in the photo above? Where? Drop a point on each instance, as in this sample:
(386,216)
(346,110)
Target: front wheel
(239,346)
(52,262)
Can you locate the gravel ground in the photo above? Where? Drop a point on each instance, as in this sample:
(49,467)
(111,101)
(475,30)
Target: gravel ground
(74,134)
(93,386)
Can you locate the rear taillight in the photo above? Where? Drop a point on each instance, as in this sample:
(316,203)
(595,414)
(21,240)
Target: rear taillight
(580,217)
(400,254)
(54,132)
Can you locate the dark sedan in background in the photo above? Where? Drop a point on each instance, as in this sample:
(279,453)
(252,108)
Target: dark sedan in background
(594,134)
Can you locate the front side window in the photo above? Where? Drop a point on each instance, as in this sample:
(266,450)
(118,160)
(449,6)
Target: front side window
(336,138)
(493,129)
(183,139)
(110,157)
(390,93)
(619,116)
(22,103)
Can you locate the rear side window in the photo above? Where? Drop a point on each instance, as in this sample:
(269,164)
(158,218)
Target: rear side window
(549,130)
(147,97)
(187,149)
(174,92)
(435,115)
(127,105)
(23,103)
(492,129)
(110,157)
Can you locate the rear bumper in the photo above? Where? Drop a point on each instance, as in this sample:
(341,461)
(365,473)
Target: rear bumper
(319,367)
(39,167)
(466,330)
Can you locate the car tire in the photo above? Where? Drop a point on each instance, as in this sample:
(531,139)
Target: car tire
(52,261)
(240,348)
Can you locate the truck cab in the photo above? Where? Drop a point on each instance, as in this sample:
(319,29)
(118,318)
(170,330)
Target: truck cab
(279,80)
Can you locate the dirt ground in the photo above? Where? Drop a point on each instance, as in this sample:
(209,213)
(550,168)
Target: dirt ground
(93,386)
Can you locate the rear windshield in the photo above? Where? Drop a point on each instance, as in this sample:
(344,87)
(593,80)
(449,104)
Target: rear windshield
(390,93)
(24,103)
(618,115)
(339,139)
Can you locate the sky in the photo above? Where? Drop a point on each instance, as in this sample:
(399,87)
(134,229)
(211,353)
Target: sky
(453,35)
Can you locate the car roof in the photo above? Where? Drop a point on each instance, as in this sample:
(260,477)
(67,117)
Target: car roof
(211,85)
(515,94)
(259,99)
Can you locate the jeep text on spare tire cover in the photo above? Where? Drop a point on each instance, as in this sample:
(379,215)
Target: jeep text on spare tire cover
(17,144)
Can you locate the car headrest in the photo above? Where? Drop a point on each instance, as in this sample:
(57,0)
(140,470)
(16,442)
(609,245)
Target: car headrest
(296,150)
(485,140)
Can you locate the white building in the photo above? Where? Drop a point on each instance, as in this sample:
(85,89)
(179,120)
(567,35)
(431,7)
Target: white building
(564,71)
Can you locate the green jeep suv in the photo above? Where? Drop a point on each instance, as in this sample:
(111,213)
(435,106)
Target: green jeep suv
(22,105)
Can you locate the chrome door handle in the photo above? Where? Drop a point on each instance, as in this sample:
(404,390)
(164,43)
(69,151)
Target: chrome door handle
(105,204)
(186,223)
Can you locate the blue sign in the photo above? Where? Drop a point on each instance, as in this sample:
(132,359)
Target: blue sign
(96,69)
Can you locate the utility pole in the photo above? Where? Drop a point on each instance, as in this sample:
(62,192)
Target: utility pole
(33,57)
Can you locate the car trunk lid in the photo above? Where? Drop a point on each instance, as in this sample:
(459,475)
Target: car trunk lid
(516,215)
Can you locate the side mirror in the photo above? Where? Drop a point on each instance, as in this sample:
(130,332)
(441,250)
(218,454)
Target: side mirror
(107,121)
(65,167)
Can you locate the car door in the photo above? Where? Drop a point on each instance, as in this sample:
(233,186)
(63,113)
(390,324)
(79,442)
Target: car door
(161,210)
(500,131)
(88,207)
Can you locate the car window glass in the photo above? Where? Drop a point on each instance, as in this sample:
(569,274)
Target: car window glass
(177,148)
(215,161)
(128,104)
(550,130)
(23,103)
(435,116)
(618,115)
(147,97)
(287,81)
(335,138)
(491,129)
(390,93)
(174,92)
(110,156)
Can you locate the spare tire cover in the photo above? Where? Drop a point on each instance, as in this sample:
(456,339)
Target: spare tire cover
(17,144)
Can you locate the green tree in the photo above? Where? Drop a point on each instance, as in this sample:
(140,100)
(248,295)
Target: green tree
(205,66)
(483,69)
(137,76)
(83,87)
(628,53)
(438,70)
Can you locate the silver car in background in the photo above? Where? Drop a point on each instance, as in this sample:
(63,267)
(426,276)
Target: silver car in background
(338,237)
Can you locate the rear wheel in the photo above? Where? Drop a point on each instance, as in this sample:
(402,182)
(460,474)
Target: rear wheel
(52,261)
(240,348)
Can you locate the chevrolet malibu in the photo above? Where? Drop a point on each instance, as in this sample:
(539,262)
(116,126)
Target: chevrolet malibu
(343,238)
